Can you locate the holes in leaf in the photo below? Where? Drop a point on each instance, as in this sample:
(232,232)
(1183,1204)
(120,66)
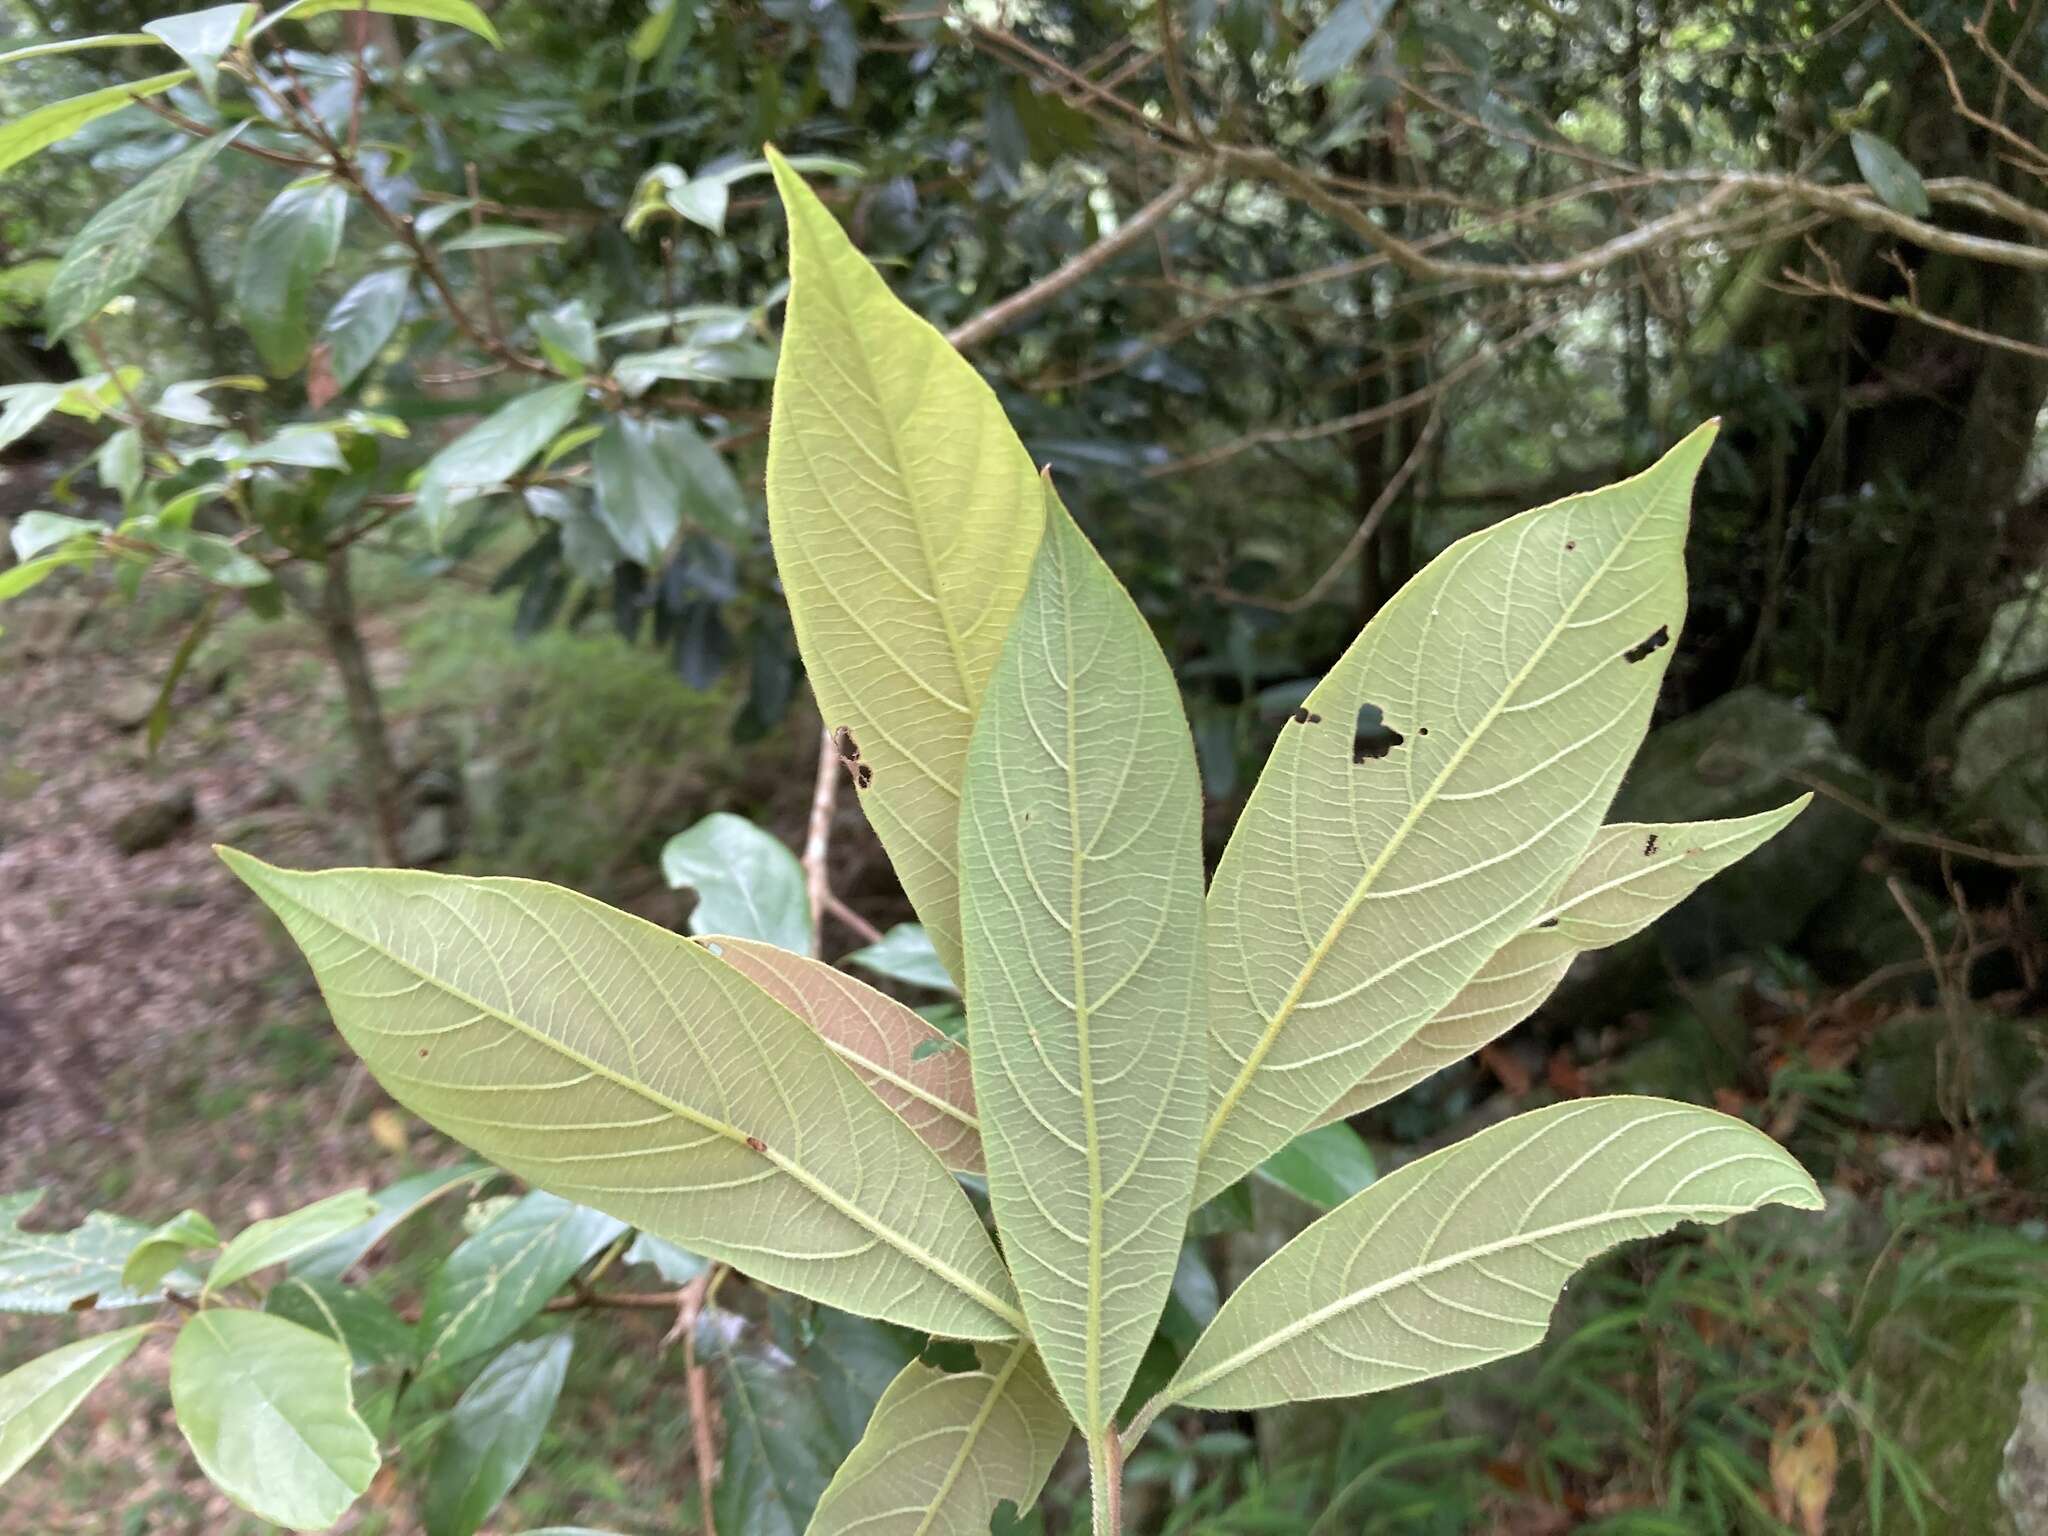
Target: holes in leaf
(1372,738)
(844,744)
(1655,642)
(863,775)
(1650,845)
(1302,716)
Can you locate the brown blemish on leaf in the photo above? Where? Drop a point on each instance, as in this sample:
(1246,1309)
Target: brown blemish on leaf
(757,1144)
(1548,922)
(1656,642)
(1570,544)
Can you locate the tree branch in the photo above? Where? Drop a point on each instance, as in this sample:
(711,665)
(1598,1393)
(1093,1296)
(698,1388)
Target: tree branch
(1001,315)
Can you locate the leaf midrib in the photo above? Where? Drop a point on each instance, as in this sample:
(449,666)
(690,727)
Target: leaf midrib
(978,1294)
(1084,1063)
(1270,1035)
(975,1426)
(1419,1272)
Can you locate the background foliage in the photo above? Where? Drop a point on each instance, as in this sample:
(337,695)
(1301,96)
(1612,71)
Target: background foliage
(1289,297)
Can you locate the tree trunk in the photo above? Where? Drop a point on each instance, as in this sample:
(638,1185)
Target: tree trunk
(377,771)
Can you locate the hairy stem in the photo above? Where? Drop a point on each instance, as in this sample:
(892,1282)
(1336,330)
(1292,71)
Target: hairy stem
(1106,1482)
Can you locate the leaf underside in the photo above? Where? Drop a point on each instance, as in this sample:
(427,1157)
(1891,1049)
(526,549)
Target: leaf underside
(1633,874)
(943,1450)
(624,1067)
(1431,793)
(904,514)
(904,1059)
(1459,1258)
(1080,852)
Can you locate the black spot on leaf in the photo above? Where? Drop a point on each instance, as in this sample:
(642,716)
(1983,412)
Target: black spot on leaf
(1373,738)
(1303,716)
(1571,544)
(1548,922)
(1650,846)
(1655,642)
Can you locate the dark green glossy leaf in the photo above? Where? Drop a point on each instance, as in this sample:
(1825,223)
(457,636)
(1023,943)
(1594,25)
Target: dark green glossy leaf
(362,321)
(493,1433)
(1325,1166)
(503,1276)
(104,257)
(292,242)
(372,1332)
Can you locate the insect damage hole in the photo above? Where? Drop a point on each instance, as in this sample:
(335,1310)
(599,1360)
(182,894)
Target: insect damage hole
(1303,716)
(863,776)
(1650,845)
(1372,738)
(1655,642)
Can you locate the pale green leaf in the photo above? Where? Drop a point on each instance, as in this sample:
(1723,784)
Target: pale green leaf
(748,883)
(25,406)
(106,255)
(334,1258)
(1457,1259)
(889,1048)
(1342,36)
(20,578)
(165,1248)
(493,451)
(1325,1166)
(498,237)
(700,361)
(905,954)
(1889,174)
(373,1333)
(292,242)
(497,1280)
(282,1238)
(905,514)
(1081,884)
(37,532)
(492,1434)
(362,321)
(66,1271)
(656,475)
(267,1408)
(201,37)
(214,556)
(678,1266)
(118,463)
(640,489)
(77,44)
(36,1398)
(45,126)
(567,337)
(460,13)
(943,1450)
(1633,874)
(1431,793)
(716,1119)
